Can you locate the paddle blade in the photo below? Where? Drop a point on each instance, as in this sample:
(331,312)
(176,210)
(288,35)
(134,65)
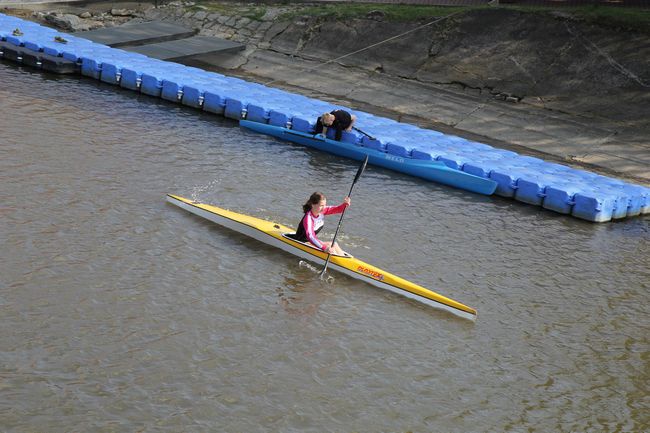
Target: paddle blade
(361,169)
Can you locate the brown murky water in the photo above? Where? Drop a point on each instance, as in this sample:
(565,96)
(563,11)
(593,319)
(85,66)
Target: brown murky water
(120,312)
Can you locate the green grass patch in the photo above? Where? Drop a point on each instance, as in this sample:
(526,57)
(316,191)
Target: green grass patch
(255,13)
(210,7)
(360,10)
(252,12)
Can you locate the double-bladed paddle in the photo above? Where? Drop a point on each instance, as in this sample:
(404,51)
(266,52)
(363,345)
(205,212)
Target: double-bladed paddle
(356,178)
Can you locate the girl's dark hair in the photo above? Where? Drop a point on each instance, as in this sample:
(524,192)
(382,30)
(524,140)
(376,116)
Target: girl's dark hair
(315,198)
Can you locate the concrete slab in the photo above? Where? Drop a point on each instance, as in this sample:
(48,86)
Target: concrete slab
(196,45)
(138,34)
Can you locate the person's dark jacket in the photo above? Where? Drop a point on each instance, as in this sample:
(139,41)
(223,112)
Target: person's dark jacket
(342,120)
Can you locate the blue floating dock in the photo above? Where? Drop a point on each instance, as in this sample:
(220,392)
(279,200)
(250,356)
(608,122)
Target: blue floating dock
(562,189)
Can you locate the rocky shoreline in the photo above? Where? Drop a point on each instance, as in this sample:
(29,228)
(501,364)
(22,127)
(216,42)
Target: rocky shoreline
(548,84)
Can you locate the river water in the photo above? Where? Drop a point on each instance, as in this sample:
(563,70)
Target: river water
(120,312)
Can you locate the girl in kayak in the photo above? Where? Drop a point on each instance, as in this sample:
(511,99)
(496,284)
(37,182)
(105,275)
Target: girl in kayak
(340,120)
(312,222)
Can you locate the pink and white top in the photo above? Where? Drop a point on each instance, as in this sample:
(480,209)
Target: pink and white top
(310,225)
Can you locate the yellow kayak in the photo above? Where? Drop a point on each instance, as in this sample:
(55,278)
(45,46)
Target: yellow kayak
(277,236)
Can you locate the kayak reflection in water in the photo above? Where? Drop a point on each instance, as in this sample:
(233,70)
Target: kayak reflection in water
(312,222)
(340,120)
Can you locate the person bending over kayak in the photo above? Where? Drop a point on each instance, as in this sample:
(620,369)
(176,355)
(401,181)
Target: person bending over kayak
(312,222)
(340,120)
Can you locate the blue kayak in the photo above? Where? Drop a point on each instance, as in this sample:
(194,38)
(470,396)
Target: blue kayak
(435,171)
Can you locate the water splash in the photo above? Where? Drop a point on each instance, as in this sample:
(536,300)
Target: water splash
(304,264)
(326,278)
(198,189)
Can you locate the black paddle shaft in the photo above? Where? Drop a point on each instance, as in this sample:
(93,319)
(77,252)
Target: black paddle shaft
(356,178)
(364,133)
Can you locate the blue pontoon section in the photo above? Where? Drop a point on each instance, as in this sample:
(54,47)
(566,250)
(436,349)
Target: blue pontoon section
(527,179)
